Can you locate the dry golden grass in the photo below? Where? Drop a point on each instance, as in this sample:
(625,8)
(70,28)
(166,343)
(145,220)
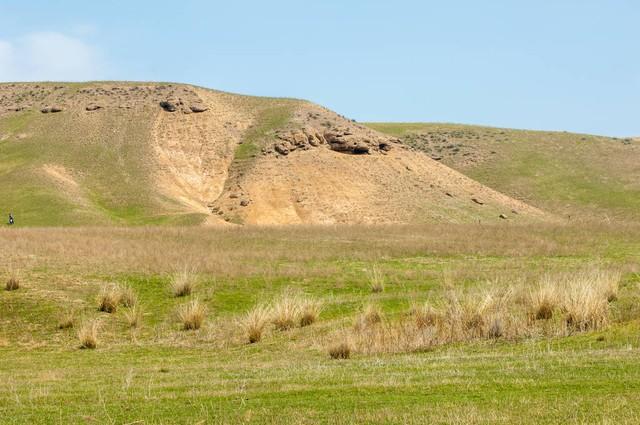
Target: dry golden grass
(233,253)
(254,323)
(286,312)
(66,320)
(134,316)
(425,316)
(586,301)
(293,309)
(582,300)
(371,315)
(108,299)
(340,350)
(544,299)
(183,282)
(13,284)
(309,312)
(128,297)
(88,334)
(376,279)
(192,315)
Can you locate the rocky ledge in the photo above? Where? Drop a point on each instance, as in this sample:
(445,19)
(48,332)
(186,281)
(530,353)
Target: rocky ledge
(337,139)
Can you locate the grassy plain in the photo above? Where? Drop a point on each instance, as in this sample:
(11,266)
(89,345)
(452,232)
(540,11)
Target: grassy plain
(158,373)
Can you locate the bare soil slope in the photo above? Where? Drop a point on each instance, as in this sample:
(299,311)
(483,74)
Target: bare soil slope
(136,153)
(572,175)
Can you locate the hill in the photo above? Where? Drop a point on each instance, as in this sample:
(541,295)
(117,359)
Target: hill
(149,153)
(575,175)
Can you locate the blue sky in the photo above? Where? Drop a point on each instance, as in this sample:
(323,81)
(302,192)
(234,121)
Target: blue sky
(556,65)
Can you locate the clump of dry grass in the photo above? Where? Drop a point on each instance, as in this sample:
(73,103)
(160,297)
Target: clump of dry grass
(376,279)
(425,316)
(582,297)
(371,314)
(128,297)
(587,304)
(292,309)
(340,350)
(66,320)
(580,301)
(183,282)
(544,300)
(88,334)
(285,312)
(108,299)
(13,283)
(254,323)
(134,316)
(192,315)
(309,312)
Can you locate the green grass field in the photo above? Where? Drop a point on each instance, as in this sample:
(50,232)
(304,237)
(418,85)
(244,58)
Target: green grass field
(158,373)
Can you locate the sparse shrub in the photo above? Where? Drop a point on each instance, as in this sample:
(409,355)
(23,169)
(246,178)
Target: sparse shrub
(341,350)
(309,312)
(134,316)
(13,284)
(254,323)
(108,299)
(66,321)
(376,279)
(88,335)
(128,297)
(183,282)
(192,315)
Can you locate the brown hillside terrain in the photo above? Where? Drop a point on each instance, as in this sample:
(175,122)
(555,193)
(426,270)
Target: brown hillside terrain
(151,152)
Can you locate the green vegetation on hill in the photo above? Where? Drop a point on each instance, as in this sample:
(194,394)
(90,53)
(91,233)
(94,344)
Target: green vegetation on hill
(575,175)
(100,168)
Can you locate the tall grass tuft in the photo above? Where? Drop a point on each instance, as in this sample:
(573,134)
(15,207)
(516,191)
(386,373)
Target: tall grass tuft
(192,315)
(309,312)
(254,323)
(13,283)
(134,316)
(376,279)
(544,299)
(108,299)
(88,334)
(286,312)
(340,350)
(425,316)
(183,282)
(66,320)
(128,297)
(369,317)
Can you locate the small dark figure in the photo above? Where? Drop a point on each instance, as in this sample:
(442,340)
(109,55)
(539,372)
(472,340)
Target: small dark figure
(10,219)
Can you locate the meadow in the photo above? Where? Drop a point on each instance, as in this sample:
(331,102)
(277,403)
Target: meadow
(447,323)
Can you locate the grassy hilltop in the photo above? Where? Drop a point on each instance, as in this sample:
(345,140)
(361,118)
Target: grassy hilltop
(576,175)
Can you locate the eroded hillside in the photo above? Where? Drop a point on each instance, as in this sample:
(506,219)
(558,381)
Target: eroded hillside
(137,153)
(577,176)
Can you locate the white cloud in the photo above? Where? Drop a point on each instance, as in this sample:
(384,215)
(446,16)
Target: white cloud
(49,56)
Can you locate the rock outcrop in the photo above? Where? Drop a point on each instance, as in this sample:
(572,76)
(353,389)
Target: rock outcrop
(341,140)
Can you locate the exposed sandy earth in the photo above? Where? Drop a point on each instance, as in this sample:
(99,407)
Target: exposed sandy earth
(314,167)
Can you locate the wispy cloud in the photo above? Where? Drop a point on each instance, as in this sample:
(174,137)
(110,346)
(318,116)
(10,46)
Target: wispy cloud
(50,56)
